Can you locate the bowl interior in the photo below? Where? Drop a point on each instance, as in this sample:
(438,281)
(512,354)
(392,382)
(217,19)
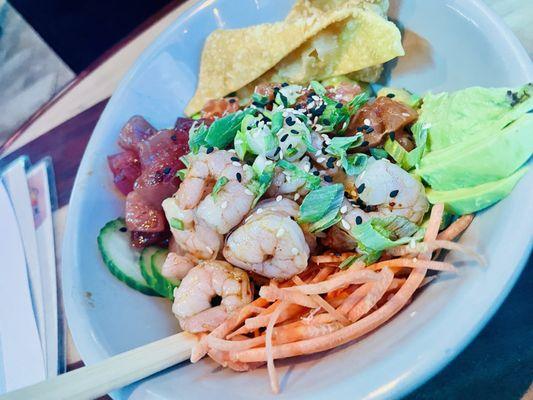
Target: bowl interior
(450,45)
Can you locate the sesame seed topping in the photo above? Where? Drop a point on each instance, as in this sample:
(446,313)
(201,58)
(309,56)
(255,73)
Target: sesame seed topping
(318,127)
(338,163)
(290,121)
(405,114)
(331,162)
(320,159)
(296,196)
(392,135)
(358,220)
(369,129)
(390,95)
(296,132)
(318,153)
(294,251)
(279,198)
(224,205)
(209,249)
(361,188)
(415,259)
(238,176)
(284,84)
(284,137)
(316,173)
(394,193)
(328,178)
(344,209)
(338,105)
(307,167)
(366,121)
(259,210)
(210,149)
(167,170)
(364,143)
(345,224)
(280,232)
(232,100)
(123,229)
(235,159)
(278,149)
(236,164)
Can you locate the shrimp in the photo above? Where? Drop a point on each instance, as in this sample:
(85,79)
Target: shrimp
(392,190)
(192,299)
(176,266)
(270,243)
(204,217)
(225,210)
(386,189)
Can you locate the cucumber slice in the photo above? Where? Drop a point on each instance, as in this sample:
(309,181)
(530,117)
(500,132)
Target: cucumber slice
(164,285)
(145,262)
(121,259)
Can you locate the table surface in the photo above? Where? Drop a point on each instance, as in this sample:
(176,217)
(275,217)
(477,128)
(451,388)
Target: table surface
(85,99)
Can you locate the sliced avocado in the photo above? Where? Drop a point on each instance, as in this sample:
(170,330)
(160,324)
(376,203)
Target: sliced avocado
(400,95)
(472,199)
(473,112)
(473,162)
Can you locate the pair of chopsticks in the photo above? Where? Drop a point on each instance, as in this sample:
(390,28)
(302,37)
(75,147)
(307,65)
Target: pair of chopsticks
(115,372)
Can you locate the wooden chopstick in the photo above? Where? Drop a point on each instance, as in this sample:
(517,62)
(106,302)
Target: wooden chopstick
(115,372)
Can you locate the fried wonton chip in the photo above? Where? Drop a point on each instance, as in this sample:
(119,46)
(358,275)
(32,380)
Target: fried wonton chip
(318,39)
(233,58)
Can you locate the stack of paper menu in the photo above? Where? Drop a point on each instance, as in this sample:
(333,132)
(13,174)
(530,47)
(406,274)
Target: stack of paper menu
(31,323)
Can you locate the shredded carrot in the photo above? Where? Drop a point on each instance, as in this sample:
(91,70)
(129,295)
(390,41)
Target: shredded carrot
(355,298)
(291,295)
(456,228)
(274,382)
(336,281)
(376,292)
(432,246)
(324,304)
(413,263)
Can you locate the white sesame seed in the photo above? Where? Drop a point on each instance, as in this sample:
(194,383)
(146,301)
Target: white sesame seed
(366,121)
(338,163)
(345,224)
(231,151)
(236,163)
(415,259)
(288,178)
(259,210)
(307,167)
(224,204)
(320,159)
(279,198)
(311,105)
(281,155)
(327,141)
(296,196)
(344,125)
(344,209)
(294,251)
(315,120)
(405,114)
(324,136)
(269,162)
(248,192)
(280,232)
(318,153)
(315,97)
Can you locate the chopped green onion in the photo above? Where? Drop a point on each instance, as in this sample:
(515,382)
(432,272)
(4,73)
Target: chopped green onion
(197,135)
(378,154)
(219,185)
(176,223)
(408,159)
(259,100)
(182,173)
(311,181)
(222,132)
(322,205)
(348,261)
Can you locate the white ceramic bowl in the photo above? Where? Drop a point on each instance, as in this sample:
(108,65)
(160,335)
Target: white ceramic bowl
(450,45)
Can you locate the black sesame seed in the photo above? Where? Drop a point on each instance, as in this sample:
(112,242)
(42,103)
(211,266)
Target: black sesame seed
(339,105)
(284,84)
(359,129)
(257,104)
(320,109)
(276,89)
(289,146)
(295,131)
(330,162)
(360,203)
(249,127)
(361,188)
(316,173)
(210,149)
(290,121)
(278,149)
(166,171)
(297,106)
(232,100)
(365,127)
(238,176)
(309,100)
(391,95)
(284,137)
(326,121)
(328,178)
(392,135)
(235,159)
(358,220)
(364,143)
(173,138)
(123,229)
(394,193)
(369,129)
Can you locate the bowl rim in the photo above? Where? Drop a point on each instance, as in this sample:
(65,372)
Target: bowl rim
(422,371)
